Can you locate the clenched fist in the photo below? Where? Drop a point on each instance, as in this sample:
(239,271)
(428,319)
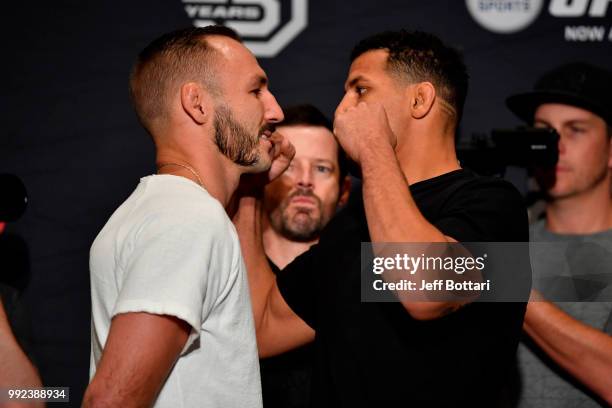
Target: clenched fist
(360,127)
(282,154)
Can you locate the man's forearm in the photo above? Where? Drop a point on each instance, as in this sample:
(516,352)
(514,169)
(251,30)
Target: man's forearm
(392,214)
(585,352)
(138,356)
(247,220)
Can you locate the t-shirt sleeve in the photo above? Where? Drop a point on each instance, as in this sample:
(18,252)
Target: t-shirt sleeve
(167,270)
(492,210)
(488,210)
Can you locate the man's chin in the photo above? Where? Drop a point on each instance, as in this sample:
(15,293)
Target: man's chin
(301,234)
(559,191)
(262,164)
(301,227)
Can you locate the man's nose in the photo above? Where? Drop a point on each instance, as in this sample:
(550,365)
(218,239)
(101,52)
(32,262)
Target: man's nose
(304,177)
(273,112)
(561,145)
(344,103)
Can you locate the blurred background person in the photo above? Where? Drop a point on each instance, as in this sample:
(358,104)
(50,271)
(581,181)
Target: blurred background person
(296,208)
(566,360)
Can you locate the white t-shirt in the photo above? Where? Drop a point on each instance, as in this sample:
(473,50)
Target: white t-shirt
(171,249)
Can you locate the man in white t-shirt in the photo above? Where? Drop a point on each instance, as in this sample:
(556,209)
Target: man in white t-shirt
(171,314)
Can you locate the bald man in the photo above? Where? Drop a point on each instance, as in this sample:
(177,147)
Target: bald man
(171,315)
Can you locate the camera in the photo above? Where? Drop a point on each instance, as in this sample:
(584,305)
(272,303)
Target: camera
(525,147)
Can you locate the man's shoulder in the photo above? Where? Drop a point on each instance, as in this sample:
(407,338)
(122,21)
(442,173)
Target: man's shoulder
(466,189)
(490,185)
(495,193)
(164,206)
(178,192)
(464,182)
(471,207)
(174,199)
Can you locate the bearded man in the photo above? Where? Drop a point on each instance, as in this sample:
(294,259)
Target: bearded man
(306,196)
(171,314)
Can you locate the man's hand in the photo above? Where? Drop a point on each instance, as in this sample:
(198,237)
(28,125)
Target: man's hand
(282,154)
(252,185)
(362,126)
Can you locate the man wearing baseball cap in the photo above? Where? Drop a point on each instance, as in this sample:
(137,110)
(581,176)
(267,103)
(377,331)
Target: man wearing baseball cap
(566,358)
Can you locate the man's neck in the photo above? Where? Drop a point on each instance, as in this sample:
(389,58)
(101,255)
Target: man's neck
(219,176)
(586,213)
(279,249)
(427,153)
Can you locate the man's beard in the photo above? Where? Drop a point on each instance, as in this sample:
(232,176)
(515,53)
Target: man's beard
(301,224)
(233,140)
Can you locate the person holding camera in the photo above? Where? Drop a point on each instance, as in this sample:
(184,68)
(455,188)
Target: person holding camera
(566,359)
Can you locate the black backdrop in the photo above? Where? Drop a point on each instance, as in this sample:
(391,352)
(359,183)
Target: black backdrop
(69,132)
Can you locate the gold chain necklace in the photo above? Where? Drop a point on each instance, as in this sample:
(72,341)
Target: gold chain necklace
(195,173)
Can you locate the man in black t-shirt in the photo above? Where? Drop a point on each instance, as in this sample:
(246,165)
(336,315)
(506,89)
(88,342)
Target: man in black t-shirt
(404,97)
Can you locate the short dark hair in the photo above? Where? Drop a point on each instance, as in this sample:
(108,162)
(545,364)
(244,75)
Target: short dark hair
(309,115)
(178,56)
(416,56)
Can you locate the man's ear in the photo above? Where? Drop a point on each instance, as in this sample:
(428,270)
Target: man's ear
(194,101)
(421,98)
(345,191)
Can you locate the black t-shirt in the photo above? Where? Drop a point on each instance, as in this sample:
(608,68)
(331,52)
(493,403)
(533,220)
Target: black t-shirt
(285,379)
(375,354)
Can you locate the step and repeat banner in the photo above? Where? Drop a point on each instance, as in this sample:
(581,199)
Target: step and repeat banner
(69,132)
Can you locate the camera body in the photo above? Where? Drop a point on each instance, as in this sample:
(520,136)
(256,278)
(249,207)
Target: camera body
(525,147)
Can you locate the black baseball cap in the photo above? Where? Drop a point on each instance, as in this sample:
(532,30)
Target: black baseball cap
(577,84)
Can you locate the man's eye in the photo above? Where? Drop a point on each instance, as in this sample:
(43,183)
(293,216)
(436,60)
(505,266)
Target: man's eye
(360,90)
(323,169)
(576,129)
(256,92)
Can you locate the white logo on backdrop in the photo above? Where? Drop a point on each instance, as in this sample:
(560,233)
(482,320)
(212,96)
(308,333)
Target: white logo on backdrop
(509,16)
(579,8)
(258,21)
(504,16)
